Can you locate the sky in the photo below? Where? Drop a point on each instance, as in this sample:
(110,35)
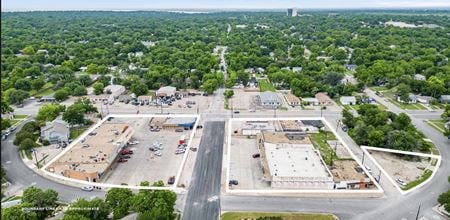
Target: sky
(31,5)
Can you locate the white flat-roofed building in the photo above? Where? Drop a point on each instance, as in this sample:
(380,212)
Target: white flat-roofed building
(255,127)
(293,164)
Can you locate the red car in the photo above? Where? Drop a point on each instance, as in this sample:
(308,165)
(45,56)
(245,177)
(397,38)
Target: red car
(121,160)
(124,152)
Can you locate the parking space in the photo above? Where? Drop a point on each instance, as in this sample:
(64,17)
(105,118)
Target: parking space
(243,167)
(144,164)
(243,100)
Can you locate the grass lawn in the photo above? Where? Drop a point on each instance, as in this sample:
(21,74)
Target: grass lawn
(46,90)
(426,174)
(319,141)
(391,96)
(437,124)
(15,121)
(20,116)
(265,85)
(75,132)
(284,216)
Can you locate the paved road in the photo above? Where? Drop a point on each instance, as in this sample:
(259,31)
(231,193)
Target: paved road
(203,198)
(21,176)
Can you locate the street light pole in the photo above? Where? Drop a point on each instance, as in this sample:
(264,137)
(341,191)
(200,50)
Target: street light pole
(35,157)
(362,161)
(418,212)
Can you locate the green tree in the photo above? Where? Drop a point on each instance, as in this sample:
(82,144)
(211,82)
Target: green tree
(16,96)
(348,118)
(29,50)
(98,88)
(49,112)
(17,213)
(228,93)
(85,80)
(444,199)
(403,91)
(74,216)
(376,138)
(61,95)
(139,88)
(158,203)
(37,84)
(79,91)
(120,201)
(74,114)
(23,84)
(402,140)
(5,107)
(27,144)
(402,122)
(94,209)
(210,85)
(37,198)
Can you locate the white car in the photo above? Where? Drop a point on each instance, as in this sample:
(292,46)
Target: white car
(401,182)
(368,169)
(87,188)
(158,153)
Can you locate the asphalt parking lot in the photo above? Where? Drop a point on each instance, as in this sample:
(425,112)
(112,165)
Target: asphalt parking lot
(144,165)
(243,167)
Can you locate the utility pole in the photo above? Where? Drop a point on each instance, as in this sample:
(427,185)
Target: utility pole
(35,157)
(362,161)
(418,212)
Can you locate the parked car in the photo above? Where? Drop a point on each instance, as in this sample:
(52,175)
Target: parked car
(179,130)
(87,188)
(401,182)
(233,182)
(151,149)
(121,160)
(344,128)
(154,129)
(171,180)
(123,152)
(236,112)
(256,155)
(181,151)
(125,156)
(368,169)
(200,126)
(158,153)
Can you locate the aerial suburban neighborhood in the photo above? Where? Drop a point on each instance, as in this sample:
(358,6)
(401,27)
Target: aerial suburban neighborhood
(292,113)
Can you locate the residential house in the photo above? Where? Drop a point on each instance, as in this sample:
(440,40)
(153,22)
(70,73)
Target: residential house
(260,70)
(253,83)
(424,99)
(350,67)
(348,100)
(249,70)
(445,99)
(270,100)
(324,99)
(48,98)
(57,131)
(292,100)
(310,101)
(297,69)
(412,99)
(420,77)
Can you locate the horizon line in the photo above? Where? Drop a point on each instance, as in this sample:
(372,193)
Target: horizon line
(224,9)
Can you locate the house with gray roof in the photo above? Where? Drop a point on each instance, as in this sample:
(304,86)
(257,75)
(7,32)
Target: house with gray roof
(270,100)
(57,131)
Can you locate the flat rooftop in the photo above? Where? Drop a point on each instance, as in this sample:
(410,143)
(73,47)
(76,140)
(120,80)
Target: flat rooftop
(282,137)
(295,162)
(291,125)
(258,125)
(180,120)
(96,152)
